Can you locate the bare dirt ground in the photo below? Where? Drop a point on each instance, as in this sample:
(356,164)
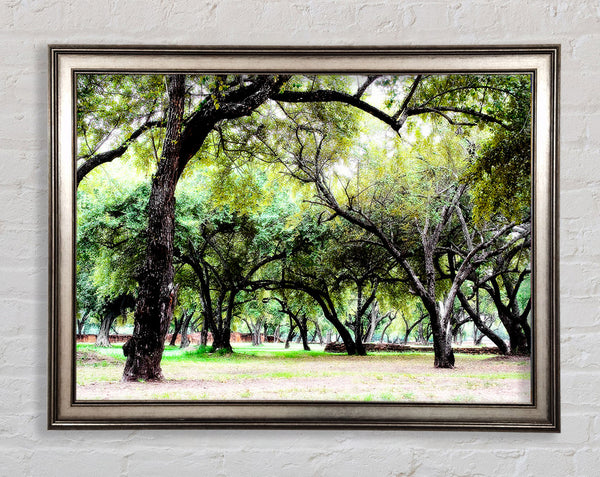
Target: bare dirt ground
(377,377)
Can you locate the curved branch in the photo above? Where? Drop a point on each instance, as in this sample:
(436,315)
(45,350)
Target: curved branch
(450,109)
(402,111)
(104,157)
(323,95)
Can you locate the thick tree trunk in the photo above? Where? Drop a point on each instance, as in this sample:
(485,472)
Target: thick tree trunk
(421,339)
(442,337)
(204,334)
(220,328)
(304,336)
(103,339)
(256,341)
(222,341)
(185,340)
(518,336)
(157,294)
(442,348)
(516,325)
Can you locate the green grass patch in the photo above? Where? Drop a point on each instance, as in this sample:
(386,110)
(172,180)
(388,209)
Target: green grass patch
(270,371)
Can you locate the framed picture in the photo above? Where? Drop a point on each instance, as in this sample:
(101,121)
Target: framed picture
(304,237)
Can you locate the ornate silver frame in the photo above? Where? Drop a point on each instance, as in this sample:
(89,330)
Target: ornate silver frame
(65,412)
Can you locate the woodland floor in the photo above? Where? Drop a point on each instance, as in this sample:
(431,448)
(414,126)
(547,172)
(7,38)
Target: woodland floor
(271,373)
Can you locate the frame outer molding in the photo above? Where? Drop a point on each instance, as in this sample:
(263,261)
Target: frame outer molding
(64,412)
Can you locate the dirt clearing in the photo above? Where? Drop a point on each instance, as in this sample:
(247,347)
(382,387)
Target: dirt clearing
(255,375)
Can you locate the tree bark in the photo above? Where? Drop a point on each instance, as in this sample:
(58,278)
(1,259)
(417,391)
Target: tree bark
(81,323)
(290,334)
(519,331)
(204,332)
(112,309)
(519,334)
(481,326)
(303,330)
(102,339)
(255,331)
(185,340)
(157,294)
(176,330)
(442,337)
(222,341)
(318,333)
(276,337)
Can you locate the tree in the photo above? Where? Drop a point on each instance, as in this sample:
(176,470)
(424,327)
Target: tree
(505,283)
(358,268)
(480,323)
(298,318)
(110,310)
(432,198)
(229,248)
(110,241)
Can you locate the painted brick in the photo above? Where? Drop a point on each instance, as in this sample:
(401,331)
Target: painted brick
(433,16)
(587,462)
(15,461)
(549,462)
(578,348)
(383,17)
(581,389)
(82,462)
(27,27)
(160,461)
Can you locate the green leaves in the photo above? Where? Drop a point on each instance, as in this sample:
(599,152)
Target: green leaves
(276,179)
(110,241)
(500,170)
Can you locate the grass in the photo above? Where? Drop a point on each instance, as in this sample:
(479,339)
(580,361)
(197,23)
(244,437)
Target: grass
(270,372)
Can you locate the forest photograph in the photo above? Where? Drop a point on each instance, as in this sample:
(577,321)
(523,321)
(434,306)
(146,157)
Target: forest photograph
(303,237)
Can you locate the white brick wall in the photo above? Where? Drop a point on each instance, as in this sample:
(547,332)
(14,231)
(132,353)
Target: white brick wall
(28,26)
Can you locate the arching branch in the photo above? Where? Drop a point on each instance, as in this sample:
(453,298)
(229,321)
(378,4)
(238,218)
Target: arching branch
(104,157)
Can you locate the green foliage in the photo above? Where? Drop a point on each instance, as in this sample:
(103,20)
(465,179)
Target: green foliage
(501,169)
(249,192)
(110,242)
(109,106)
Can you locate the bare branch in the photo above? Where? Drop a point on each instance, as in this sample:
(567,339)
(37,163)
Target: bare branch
(401,114)
(365,85)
